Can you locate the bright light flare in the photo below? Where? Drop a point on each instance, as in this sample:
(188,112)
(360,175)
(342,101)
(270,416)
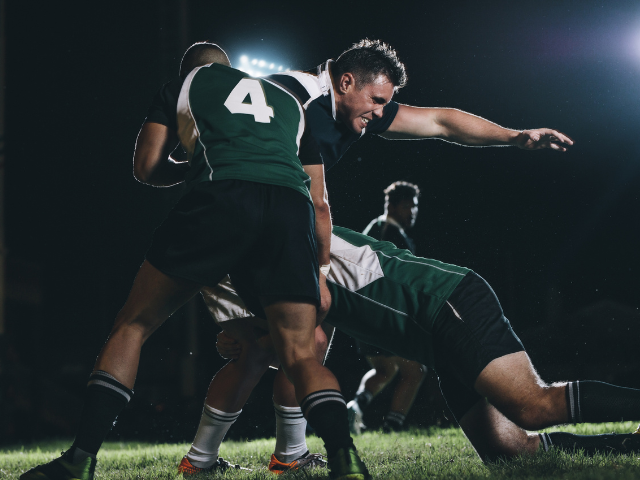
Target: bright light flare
(244,59)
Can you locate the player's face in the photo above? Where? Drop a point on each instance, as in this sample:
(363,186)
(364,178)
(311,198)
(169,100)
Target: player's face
(356,107)
(405,212)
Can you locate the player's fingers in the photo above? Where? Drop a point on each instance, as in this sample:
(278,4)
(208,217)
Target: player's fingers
(559,136)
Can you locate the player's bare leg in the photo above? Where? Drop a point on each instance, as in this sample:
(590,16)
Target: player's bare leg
(494,436)
(153,298)
(512,386)
(292,326)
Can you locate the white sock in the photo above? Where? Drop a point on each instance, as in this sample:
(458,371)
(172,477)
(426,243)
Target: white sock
(291,428)
(214,425)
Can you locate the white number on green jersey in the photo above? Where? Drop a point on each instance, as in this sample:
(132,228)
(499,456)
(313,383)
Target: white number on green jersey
(258,103)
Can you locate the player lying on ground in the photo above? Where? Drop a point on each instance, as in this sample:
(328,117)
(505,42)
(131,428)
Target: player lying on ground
(248,210)
(448,318)
(344,100)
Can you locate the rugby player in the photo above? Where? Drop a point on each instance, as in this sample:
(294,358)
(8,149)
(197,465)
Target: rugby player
(400,212)
(344,100)
(247,212)
(448,318)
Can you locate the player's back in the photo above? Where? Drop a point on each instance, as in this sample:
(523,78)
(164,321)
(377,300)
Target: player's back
(385,296)
(237,127)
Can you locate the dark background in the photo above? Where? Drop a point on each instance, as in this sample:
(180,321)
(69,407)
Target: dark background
(556,235)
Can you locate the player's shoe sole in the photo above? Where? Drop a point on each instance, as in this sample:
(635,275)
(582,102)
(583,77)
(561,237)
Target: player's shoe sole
(187,469)
(308,460)
(346,465)
(62,469)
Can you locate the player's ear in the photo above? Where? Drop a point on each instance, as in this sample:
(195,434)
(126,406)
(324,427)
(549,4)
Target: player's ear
(347,81)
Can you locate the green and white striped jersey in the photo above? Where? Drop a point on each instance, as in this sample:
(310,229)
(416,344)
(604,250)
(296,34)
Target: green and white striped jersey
(385,296)
(233,126)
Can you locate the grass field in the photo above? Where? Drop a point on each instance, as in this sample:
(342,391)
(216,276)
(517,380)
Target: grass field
(417,454)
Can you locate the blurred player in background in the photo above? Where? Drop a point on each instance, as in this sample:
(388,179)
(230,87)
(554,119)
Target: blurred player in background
(400,213)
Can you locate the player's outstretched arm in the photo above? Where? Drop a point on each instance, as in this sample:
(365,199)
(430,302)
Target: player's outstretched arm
(151,162)
(466,129)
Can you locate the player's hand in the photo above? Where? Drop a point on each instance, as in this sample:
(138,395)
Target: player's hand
(543,138)
(228,347)
(325,299)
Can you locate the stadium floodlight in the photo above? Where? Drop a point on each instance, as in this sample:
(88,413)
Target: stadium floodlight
(259,66)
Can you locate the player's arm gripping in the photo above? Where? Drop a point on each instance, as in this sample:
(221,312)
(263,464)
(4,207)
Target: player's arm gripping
(319,197)
(466,129)
(151,161)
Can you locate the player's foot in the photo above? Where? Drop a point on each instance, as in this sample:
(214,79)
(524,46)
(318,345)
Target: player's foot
(221,465)
(356,426)
(346,465)
(62,468)
(389,426)
(308,460)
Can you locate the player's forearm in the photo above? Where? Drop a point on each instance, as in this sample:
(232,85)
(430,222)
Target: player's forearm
(167,174)
(467,129)
(323,232)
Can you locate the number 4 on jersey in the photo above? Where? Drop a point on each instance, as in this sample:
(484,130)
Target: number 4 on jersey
(258,107)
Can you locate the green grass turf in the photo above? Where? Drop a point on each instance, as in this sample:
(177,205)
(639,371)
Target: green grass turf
(417,454)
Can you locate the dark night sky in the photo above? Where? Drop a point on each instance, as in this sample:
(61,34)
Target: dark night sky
(80,76)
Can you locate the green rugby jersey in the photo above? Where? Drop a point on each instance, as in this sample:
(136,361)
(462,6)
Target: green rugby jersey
(233,126)
(385,296)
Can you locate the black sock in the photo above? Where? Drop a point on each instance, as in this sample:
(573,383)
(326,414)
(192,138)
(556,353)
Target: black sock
(326,412)
(591,444)
(105,398)
(364,399)
(395,419)
(597,402)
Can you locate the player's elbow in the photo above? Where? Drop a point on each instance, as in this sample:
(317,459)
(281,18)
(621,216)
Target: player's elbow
(322,208)
(141,170)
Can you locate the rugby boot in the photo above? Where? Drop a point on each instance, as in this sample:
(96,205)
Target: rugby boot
(637,432)
(346,465)
(354,414)
(62,469)
(221,465)
(308,460)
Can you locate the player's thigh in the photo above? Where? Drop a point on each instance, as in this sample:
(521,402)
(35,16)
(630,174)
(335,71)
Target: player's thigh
(292,326)
(154,297)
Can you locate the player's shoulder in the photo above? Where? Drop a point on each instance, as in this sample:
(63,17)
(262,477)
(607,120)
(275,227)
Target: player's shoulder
(306,85)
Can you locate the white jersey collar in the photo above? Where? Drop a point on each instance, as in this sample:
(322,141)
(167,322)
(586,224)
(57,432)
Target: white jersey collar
(326,84)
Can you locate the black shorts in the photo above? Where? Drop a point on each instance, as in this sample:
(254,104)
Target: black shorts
(262,233)
(469,332)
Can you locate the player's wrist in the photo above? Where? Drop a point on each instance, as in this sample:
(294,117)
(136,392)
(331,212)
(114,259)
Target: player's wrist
(325,269)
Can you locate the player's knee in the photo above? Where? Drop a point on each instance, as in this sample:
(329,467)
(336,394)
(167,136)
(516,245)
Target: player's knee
(534,413)
(413,372)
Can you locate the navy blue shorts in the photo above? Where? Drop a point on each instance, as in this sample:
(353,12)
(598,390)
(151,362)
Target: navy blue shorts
(262,234)
(469,333)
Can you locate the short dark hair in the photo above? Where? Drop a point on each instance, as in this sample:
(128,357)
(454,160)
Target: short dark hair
(399,191)
(202,53)
(367,60)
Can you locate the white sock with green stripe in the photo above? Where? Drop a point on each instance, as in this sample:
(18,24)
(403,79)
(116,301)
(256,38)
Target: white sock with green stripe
(214,425)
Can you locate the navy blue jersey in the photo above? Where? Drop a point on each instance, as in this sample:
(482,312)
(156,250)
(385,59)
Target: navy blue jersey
(315,91)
